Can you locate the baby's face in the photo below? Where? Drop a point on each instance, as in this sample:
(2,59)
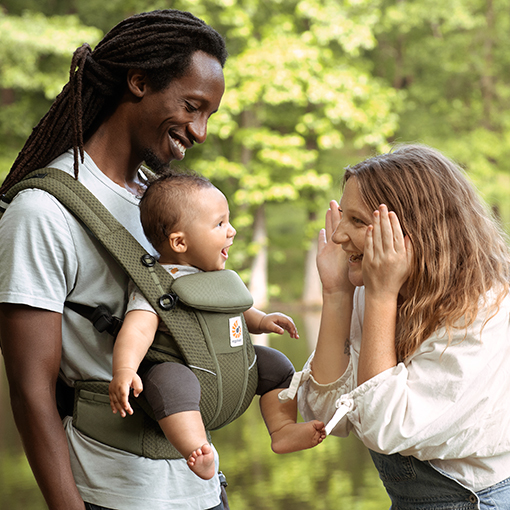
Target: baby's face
(208,232)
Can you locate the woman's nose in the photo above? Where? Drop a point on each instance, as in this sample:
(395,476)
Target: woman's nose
(339,235)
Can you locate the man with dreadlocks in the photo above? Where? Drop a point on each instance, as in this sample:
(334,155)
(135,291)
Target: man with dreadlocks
(144,94)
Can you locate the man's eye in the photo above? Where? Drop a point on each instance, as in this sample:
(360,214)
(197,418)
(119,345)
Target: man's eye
(190,107)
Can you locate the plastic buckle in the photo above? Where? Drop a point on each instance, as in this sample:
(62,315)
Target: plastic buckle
(148,260)
(168,301)
(103,320)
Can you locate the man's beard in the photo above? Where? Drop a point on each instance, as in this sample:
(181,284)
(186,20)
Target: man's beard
(154,163)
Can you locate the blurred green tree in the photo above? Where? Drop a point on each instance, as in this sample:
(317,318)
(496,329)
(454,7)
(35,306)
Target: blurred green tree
(299,91)
(450,58)
(34,64)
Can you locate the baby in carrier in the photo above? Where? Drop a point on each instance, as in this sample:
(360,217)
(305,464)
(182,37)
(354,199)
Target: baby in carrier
(186,219)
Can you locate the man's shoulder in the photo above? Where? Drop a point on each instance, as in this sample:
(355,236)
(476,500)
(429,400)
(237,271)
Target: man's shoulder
(33,204)
(64,162)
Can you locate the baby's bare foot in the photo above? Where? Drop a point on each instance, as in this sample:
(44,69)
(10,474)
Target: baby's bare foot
(201,462)
(298,436)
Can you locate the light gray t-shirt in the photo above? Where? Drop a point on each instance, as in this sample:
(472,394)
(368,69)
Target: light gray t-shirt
(48,257)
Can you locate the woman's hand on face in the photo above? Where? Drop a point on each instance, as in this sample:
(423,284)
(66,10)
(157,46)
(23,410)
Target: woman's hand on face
(332,260)
(387,255)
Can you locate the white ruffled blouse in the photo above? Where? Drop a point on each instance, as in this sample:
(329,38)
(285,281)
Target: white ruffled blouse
(450,406)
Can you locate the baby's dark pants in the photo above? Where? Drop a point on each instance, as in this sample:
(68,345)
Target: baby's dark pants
(173,388)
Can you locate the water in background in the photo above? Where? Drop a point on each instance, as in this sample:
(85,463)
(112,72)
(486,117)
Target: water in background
(336,475)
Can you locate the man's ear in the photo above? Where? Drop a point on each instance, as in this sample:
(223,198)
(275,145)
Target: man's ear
(137,82)
(177,242)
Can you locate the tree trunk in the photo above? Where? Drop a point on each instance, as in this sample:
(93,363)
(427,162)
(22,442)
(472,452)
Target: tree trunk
(258,280)
(312,288)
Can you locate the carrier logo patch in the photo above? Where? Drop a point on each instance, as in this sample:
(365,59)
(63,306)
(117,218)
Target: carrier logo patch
(236,331)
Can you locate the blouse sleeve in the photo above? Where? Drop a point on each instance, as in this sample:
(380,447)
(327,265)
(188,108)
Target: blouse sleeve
(320,401)
(448,401)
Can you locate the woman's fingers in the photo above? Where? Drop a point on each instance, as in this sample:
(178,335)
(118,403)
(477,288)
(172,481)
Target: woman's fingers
(398,235)
(368,250)
(332,219)
(387,253)
(335,214)
(387,232)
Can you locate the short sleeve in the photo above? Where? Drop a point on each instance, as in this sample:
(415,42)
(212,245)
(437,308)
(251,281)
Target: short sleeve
(37,251)
(137,300)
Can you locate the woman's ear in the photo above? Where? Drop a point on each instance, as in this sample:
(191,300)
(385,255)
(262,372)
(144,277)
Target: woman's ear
(177,242)
(137,82)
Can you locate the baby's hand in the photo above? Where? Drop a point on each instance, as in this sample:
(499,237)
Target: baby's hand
(123,380)
(278,323)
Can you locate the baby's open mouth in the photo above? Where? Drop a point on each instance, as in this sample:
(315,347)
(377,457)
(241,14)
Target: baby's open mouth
(356,258)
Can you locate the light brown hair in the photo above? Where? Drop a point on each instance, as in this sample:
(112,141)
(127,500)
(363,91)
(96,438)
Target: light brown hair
(460,252)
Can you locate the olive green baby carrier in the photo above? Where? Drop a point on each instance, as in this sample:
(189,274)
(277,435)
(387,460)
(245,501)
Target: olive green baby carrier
(203,313)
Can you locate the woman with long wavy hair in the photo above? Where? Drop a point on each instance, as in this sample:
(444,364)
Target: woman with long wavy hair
(413,354)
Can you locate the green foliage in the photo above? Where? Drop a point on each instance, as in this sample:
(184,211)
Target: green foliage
(450,59)
(35,49)
(299,88)
(17,485)
(35,53)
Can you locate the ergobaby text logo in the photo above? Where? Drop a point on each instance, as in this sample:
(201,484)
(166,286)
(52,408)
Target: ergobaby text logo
(236,331)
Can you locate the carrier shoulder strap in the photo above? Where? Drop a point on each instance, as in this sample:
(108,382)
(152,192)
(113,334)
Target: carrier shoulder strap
(150,277)
(124,248)
(183,322)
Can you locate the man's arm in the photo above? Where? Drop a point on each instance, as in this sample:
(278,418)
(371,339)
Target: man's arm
(31,341)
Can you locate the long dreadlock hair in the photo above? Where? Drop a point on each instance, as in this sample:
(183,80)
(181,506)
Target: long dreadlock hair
(161,43)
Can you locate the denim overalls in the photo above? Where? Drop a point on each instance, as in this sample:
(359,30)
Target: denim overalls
(415,485)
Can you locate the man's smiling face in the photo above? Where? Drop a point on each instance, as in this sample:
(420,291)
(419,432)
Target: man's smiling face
(171,120)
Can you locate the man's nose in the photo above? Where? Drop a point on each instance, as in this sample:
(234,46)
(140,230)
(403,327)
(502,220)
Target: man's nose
(198,129)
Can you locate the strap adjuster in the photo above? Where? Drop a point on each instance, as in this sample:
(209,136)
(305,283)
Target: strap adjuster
(103,320)
(223,479)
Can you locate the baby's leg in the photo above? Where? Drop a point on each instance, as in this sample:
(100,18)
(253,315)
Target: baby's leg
(173,392)
(286,435)
(185,430)
(275,373)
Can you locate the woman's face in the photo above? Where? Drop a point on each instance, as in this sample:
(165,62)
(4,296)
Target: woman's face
(351,231)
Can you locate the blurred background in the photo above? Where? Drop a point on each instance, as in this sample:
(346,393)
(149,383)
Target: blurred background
(312,86)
